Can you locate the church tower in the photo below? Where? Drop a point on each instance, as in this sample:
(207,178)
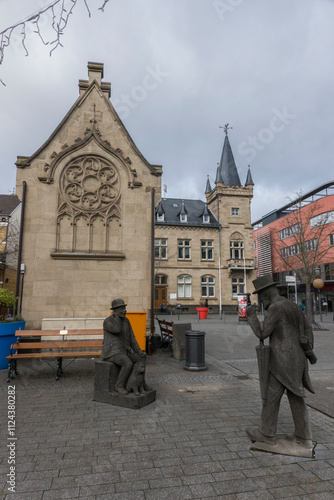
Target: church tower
(230,201)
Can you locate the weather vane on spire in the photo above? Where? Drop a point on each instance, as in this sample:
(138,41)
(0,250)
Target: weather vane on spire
(226,128)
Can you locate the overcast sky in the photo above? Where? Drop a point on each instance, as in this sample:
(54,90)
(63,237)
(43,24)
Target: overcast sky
(179,70)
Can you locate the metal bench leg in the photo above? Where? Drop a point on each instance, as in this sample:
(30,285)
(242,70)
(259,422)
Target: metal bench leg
(59,367)
(12,369)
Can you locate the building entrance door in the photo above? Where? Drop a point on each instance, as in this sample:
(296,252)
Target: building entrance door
(160,297)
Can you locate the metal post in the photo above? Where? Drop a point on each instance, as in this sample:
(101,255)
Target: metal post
(19,258)
(219,263)
(152,262)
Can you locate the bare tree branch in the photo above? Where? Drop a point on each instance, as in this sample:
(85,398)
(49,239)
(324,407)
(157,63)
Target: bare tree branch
(60,11)
(301,243)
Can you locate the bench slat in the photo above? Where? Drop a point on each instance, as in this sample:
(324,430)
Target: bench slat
(48,333)
(68,354)
(57,344)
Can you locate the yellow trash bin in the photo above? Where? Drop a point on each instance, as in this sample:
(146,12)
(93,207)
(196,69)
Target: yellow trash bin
(138,323)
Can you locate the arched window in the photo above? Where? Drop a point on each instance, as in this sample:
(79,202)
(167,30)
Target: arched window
(184,286)
(236,246)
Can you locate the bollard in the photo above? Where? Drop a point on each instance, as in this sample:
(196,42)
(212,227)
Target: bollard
(195,350)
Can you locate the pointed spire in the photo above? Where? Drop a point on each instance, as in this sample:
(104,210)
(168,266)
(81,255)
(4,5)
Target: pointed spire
(208,188)
(160,209)
(206,214)
(229,172)
(183,210)
(206,210)
(249,179)
(219,175)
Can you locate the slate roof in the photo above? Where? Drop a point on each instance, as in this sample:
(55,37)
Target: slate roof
(227,171)
(8,203)
(172,207)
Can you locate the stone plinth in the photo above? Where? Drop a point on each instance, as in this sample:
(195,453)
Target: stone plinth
(285,447)
(106,375)
(179,340)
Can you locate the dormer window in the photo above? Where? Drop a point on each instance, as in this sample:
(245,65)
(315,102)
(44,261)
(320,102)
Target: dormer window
(183,218)
(160,217)
(206,219)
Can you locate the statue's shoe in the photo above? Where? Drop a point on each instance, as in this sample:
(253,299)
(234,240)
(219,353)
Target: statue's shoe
(255,435)
(121,390)
(147,388)
(305,443)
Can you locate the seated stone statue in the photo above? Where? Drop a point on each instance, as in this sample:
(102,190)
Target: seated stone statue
(121,347)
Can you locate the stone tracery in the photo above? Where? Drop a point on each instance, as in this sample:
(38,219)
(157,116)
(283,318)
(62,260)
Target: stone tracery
(89,191)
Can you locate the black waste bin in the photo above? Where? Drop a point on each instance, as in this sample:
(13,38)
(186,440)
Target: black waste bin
(195,350)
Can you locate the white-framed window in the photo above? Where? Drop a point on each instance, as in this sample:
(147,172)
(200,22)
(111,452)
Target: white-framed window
(238,286)
(236,249)
(208,286)
(206,218)
(296,249)
(160,249)
(235,211)
(160,217)
(183,217)
(321,219)
(183,249)
(290,231)
(184,286)
(206,250)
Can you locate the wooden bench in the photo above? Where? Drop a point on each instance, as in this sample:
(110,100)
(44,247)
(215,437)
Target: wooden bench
(72,344)
(166,330)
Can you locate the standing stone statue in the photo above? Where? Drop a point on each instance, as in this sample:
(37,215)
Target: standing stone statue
(291,344)
(121,348)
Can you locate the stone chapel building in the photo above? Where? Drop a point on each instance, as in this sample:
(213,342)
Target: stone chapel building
(87,214)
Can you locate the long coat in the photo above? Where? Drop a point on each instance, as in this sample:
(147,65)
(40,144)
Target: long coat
(118,337)
(285,323)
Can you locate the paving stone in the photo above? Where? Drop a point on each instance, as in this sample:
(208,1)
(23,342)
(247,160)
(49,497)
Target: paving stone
(234,486)
(176,493)
(318,487)
(287,491)
(255,495)
(61,493)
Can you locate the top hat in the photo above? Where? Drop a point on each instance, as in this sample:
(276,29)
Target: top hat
(263,282)
(117,303)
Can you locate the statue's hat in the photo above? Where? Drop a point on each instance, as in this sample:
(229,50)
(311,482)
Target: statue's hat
(117,303)
(263,282)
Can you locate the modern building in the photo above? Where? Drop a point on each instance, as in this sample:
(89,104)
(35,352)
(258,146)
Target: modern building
(299,233)
(204,250)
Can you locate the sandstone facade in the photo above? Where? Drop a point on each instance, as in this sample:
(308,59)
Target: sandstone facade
(87,222)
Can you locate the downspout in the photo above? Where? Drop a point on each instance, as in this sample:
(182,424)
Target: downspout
(152,263)
(19,257)
(219,263)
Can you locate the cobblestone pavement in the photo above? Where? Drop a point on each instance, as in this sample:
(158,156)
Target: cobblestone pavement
(189,444)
